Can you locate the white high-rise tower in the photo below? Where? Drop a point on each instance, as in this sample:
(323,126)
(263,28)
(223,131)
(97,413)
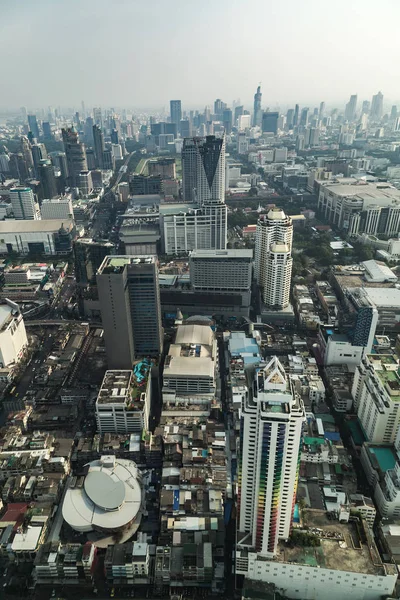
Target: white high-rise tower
(271,429)
(273,264)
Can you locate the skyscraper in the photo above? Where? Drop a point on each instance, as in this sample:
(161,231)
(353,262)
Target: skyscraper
(296,115)
(376,107)
(351,106)
(47,179)
(130,307)
(227,120)
(98,143)
(273,261)
(23,204)
(365,107)
(175,112)
(321,111)
(271,428)
(203,169)
(290,118)
(39,153)
(270,122)
(257,112)
(304,116)
(33,126)
(75,154)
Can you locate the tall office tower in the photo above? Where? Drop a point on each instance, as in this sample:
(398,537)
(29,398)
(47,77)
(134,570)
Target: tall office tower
(270,122)
(27,152)
(39,153)
(296,115)
(97,116)
(351,107)
(304,117)
(47,135)
(239,111)
(108,160)
(227,120)
(59,160)
(203,169)
(88,257)
(365,108)
(218,108)
(257,111)
(23,204)
(186,128)
(321,111)
(377,107)
(290,118)
(75,154)
(393,113)
(175,107)
(33,126)
(273,261)
(47,179)
(114,137)
(271,428)
(129,295)
(314,136)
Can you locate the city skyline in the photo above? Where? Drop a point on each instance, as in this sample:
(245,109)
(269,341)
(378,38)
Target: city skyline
(134,70)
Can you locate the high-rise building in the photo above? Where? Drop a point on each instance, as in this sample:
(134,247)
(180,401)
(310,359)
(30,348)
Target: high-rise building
(351,107)
(23,204)
(227,120)
(130,307)
(376,390)
(186,128)
(257,112)
(39,153)
(203,169)
(376,107)
(88,257)
(365,107)
(321,111)
(33,126)
(296,115)
(175,111)
(290,118)
(270,122)
(47,130)
(273,261)
(47,179)
(271,429)
(27,152)
(98,143)
(304,116)
(75,154)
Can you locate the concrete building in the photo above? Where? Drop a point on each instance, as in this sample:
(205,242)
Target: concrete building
(88,256)
(57,208)
(75,155)
(337,569)
(108,499)
(175,111)
(203,169)
(190,371)
(84,182)
(123,403)
(272,422)
(130,308)
(37,236)
(23,204)
(360,207)
(376,394)
(273,261)
(187,227)
(13,338)
(221,270)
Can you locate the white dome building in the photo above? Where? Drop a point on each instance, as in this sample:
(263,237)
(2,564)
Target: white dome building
(109,499)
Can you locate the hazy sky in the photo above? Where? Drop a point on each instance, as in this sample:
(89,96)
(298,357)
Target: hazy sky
(142,53)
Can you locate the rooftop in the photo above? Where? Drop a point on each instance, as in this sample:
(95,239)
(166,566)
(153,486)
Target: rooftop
(383,457)
(116,264)
(40,226)
(223,254)
(384,297)
(341,547)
